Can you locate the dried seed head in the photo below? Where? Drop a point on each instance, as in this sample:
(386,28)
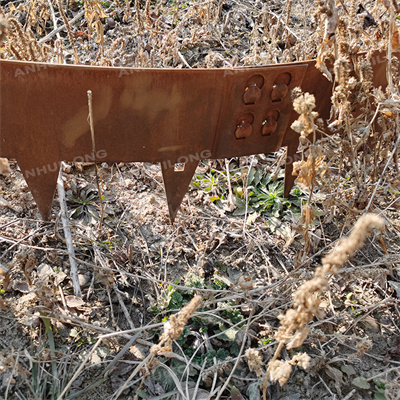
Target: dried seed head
(173,328)
(298,339)
(279,371)
(331,20)
(304,103)
(245,282)
(363,345)
(301,359)
(348,246)
(366,74)
(255,361)
(293,330)
(4,165)
(179,321)
(3,28)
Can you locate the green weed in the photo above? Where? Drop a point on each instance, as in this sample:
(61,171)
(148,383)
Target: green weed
(84,200)
(379,393)
(223,324)
(256,192)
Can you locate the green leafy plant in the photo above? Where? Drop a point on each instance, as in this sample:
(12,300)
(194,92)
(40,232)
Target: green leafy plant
(225,323)
(265,195)
(209,182)
(84,200)
(265,191)
(47,385)
(379,393)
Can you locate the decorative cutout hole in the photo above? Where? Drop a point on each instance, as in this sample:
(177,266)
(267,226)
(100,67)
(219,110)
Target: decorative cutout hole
(285,78)
(270,124)
(257,80)
(179,167)
(252,92)
(243,126)
(243,130)
(274,114)
(248,117)
(279,92)
(281,87)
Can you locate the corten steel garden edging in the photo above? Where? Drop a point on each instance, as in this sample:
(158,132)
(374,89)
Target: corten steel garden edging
(151,115)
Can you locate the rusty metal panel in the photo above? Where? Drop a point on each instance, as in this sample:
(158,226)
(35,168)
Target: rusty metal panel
(155,115)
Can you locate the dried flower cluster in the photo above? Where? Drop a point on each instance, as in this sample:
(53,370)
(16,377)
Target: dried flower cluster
(348,246)
(312,163)
(306,169)
(255,361)
(173,328)
(294,330)
(3,28)
(304,105)
(280,371)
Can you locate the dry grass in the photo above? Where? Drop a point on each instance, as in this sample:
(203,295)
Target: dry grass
(251,282)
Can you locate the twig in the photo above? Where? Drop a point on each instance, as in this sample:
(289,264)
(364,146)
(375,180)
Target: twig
(349,395)
(78,371)
(18,242)
(53,16)
(246,192)
(123,306)
(68,236)
(215,377)
(132,375)
(238,357)
(284,25)
(90,104)
(183,59)
(231,199)
(327,387)
(13,374)
(196,388)
(386,371)
(68,319)
(59,29)
(71,38)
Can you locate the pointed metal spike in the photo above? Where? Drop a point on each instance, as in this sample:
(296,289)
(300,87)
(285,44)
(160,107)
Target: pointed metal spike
(176,185)
(42,183)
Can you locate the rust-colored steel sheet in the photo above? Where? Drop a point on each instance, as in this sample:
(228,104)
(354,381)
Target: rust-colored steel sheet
(152,115)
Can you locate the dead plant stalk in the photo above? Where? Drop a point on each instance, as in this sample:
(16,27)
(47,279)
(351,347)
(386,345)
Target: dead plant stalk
(294,330)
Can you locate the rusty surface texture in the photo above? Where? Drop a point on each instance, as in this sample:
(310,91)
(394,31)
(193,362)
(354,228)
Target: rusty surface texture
(168,116)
